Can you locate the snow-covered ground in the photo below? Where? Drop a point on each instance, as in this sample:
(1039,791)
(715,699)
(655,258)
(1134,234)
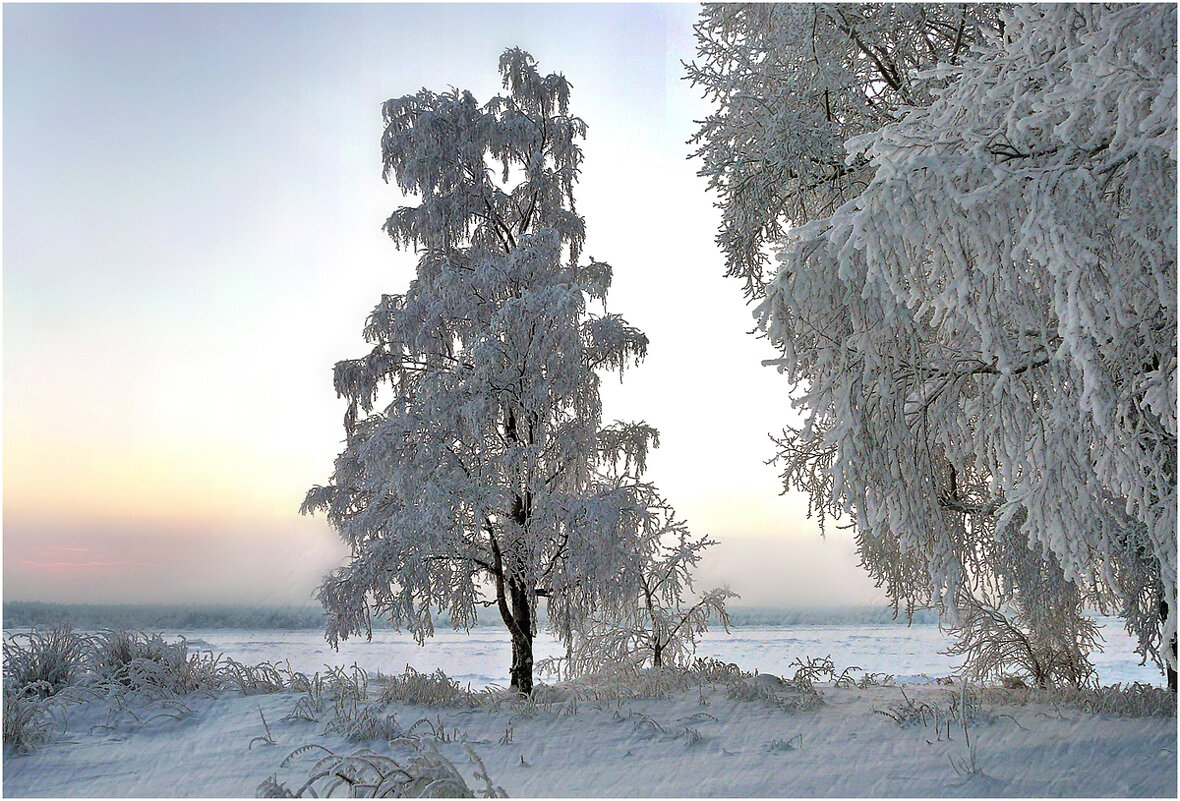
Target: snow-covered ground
(693,743)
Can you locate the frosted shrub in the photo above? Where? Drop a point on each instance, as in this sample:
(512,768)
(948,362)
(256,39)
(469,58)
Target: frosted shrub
(422,772)
(48,660)
(29,717)
(626,681)
(875,680)
(809,670)
(960,708)
(427,689)
(294,681)
(147,663)
(997,646)
(659,682)
(713,670)
(265,677)
(346,688)
(661,623)
(115,651)
(1132,701)
(651,632)
(367,724)
(788,696)
(311,704)
(339,689)
(144,678)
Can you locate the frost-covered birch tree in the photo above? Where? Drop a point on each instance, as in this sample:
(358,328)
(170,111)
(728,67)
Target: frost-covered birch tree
(661,623)
(983,333)
(476,463)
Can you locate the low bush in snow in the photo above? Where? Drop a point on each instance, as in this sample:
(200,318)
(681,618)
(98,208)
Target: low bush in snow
(625,682)
(29,717)
(417,771)
(965,706)
(788,696)
(428,689)
(48,660)
(713,671)
(115,652)
(798,693)
(809,670)
(260,679)
(149,665)
(365,724)
(346,692)
(143,677)
(1132,700)
(998,643)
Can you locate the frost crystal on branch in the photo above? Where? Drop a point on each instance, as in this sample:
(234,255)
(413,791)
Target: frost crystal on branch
(475,458)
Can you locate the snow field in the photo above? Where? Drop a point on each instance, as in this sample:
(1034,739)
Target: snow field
(694,742)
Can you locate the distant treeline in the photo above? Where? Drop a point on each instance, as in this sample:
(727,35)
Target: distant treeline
(150,617)
(824,616)
(28,614)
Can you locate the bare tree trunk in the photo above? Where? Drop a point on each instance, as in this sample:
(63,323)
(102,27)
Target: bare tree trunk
(522,640)
(519,618)
(522,664)
(658,658)
(1168,669)
(512,600)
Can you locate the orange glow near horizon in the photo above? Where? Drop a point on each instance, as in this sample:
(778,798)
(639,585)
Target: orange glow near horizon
(157,475)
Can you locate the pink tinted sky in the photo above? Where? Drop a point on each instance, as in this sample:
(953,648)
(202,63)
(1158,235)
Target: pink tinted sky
(193,206)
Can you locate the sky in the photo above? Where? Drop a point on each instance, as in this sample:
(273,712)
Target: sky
(193,202)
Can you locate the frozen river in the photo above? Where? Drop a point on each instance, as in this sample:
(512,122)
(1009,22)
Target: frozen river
(482,656)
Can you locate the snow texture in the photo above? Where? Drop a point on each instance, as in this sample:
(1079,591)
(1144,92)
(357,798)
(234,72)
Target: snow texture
(640,747)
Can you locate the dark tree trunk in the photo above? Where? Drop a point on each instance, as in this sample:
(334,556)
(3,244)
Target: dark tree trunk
(522,664)
(658,658)
(1168,669)
(522,640)
(513,600)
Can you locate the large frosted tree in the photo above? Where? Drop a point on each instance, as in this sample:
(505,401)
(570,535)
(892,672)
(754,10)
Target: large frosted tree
(476,467)
(791,83)
(983,330)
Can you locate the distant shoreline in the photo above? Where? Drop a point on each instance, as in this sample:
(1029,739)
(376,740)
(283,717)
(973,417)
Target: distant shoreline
(175,617)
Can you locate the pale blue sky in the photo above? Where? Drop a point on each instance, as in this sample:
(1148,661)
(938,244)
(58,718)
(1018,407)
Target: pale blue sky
(192,212)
